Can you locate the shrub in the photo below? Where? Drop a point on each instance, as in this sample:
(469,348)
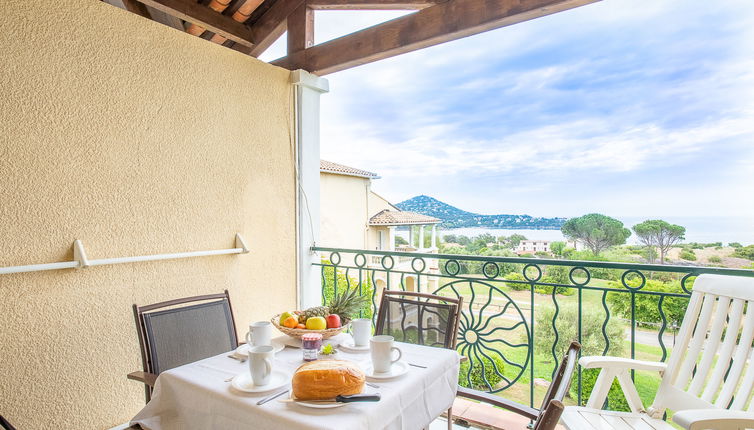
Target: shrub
(328,287)
(547,289)
(615,398)
(478,376)
(688,254)
(515,276)
(592,341)
(646,304)
(735,245)
(715,259)
(745,252)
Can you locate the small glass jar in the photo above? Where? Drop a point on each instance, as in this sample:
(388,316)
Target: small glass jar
(310,345)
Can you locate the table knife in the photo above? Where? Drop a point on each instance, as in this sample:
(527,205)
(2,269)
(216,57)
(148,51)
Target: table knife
(375,397)
(272,397)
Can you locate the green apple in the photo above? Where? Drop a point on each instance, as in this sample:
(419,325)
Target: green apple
(286,315)
(316,323)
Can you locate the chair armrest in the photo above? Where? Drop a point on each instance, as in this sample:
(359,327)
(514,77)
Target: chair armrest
(494,400)
(599,362)
(617,368)
(718,419)
(145,377)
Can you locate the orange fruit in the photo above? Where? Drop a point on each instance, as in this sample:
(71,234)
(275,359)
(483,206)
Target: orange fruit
(290,322)
(301,326)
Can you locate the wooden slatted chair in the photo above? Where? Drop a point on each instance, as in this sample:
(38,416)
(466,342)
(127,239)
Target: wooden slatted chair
(545,418)
(708,379)
(181,331)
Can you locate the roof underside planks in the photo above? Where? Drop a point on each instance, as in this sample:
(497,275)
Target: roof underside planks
(251,26)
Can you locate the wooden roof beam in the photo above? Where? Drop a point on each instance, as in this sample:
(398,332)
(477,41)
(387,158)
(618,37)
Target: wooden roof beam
(191,11)
(270,26)
(444,22)
(371,4)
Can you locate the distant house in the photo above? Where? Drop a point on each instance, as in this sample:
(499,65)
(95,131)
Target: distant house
(534,246)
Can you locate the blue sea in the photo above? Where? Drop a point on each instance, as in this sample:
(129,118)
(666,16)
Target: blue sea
(698,229)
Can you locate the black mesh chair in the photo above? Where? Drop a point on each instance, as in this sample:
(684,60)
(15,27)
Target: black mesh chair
(5,424)
(420,318)
(547,417)
(181,331)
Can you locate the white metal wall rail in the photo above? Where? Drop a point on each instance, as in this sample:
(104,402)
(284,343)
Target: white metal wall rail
(81,261)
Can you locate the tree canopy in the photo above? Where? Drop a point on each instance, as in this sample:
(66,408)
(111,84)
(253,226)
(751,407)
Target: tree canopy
(660,234)
(598,232)
(557,247)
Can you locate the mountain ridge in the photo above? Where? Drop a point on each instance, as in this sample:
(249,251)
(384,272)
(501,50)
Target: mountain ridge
(453,217)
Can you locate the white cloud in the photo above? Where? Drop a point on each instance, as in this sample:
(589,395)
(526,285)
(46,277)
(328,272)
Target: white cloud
(653,98)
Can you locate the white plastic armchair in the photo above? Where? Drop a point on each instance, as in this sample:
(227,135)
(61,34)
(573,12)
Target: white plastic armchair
(714,419)
(617,368)
(708,379)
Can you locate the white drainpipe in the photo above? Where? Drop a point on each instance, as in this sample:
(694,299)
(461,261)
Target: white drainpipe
(307,89)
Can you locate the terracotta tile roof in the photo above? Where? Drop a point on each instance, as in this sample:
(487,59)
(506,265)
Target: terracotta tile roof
(339,169)
(391,217)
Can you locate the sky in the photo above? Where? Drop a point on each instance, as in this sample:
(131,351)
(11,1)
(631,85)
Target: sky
(621,107)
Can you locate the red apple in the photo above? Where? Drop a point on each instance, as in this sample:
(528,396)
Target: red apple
(333,321)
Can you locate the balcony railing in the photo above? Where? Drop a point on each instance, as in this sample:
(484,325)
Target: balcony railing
(519,314)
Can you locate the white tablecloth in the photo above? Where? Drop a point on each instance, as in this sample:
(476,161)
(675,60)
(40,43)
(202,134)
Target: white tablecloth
(196,396)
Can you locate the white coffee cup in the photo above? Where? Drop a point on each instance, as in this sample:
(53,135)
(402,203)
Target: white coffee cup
(260,364)
(382,349)
(361,331)
(260,333)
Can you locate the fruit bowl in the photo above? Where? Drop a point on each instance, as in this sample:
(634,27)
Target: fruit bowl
(298,332)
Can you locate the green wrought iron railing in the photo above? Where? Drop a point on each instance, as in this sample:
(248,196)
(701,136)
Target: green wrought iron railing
(519,314)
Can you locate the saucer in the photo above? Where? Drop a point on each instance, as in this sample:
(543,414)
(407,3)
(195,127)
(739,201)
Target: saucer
(348,345)
(243,382)
(398,368)
(243,350)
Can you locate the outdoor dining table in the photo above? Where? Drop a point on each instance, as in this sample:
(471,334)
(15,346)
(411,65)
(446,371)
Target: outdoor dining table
(199,396)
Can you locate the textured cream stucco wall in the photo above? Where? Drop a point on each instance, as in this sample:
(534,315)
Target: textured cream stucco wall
(137,139)
(343,210)
(346,205)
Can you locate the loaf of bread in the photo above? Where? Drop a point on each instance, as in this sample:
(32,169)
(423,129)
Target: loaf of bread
(325,379)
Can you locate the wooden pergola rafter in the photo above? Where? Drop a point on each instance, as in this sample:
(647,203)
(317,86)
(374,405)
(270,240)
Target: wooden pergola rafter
(251,26)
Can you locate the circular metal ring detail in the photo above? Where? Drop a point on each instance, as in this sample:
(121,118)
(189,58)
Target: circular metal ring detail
(641,275)
(683,282)
(387,258)
(363,260)
(490,264)
(573,281)
(413,264)
(539,273)
(457,269)
(333,258)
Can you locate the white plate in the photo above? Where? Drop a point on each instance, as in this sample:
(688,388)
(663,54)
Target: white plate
(243,382)
(331,405)
(243,350)
(349,346)
(398,368)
